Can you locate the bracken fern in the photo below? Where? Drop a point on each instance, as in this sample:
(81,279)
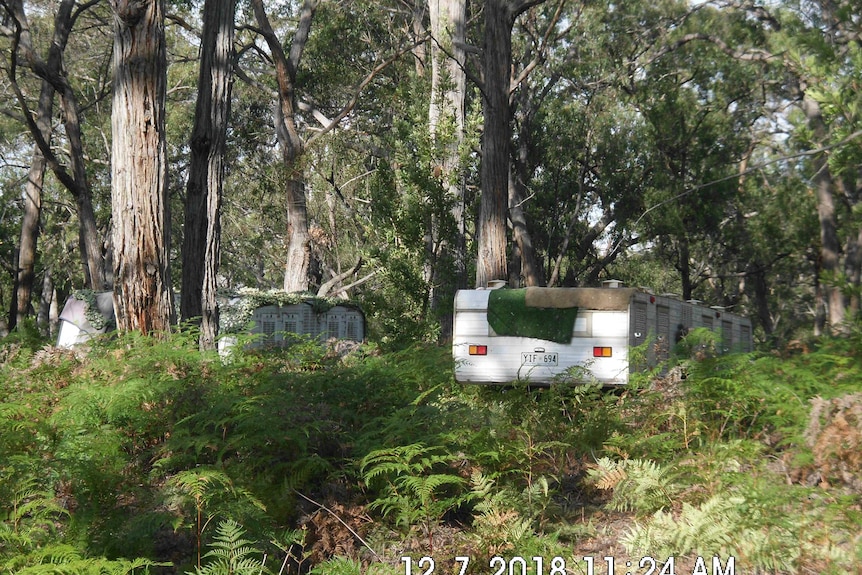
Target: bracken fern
(638,485)
(414,488)
(231,553)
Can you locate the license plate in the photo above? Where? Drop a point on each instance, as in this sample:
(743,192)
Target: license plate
(538,358)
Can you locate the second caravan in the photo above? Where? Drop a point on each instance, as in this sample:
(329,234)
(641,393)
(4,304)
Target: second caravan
(539,334)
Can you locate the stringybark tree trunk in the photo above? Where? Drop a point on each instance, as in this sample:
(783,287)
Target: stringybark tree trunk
(202,229)
(492,261)
(143,298)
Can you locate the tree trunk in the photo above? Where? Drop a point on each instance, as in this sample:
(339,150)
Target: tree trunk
(830,247)
(761,297)
(492,237)
(853,271)
(25,260)
(32,213)
(447,107)
(89,238)
(491,227)
(143,298)
(531,271)
(53,80)
(298,241)
(291,143)
(418,25)
(46,301)
(202,229)
(683,254)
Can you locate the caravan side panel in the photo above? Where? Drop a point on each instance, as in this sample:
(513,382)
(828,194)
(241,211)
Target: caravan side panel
(505,359)
(601,341)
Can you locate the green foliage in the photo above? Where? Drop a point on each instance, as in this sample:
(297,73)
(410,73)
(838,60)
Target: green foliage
(338,566)
(498,527)
(414,487)
(638,485)
(230,553)
(150,448)
(704,530)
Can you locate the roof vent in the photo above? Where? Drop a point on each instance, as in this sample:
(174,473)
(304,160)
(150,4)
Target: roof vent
(612,284)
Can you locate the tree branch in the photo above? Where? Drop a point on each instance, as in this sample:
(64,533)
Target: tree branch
(540,56)
(325,288)
(345,111)
(751,55)
(360,281)
(300,37)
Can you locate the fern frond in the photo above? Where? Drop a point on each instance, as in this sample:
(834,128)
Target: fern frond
(638,484)
(231,553)
(702,530)
(607,474)
(338,566)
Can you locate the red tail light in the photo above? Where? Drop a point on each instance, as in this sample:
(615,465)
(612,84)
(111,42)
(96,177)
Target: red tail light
(478,350)
(603,352)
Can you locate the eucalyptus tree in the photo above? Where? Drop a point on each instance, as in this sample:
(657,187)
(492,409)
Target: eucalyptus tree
(814,46)
(311,102)
(595,170)
(143,296)
(573,133)
(538,37)
(446,126)
(825,61)
(25,259)
(53,74)
(497,86)
(202,215)
(290,140)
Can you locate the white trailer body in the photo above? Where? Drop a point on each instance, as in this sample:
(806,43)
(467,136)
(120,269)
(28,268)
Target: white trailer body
(75,325)
(608,322)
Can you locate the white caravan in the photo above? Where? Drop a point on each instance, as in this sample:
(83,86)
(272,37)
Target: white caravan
(540,334)
(275,323)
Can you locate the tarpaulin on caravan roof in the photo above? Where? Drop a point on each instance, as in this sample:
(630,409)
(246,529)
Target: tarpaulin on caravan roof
(606,299)
(510,314)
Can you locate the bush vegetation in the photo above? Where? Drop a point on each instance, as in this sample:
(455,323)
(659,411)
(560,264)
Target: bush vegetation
(144,455)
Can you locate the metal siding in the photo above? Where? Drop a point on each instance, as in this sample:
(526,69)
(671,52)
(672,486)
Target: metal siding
(503,362)
(655,316)
(686,315)
(727,334)
(745,337)
(662,343)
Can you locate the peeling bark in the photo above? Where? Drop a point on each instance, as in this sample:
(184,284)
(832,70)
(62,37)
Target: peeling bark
(143,298)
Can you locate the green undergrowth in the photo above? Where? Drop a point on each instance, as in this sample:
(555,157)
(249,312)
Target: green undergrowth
(144,455)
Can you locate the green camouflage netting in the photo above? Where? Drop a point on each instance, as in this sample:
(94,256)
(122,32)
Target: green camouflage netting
(508,314)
